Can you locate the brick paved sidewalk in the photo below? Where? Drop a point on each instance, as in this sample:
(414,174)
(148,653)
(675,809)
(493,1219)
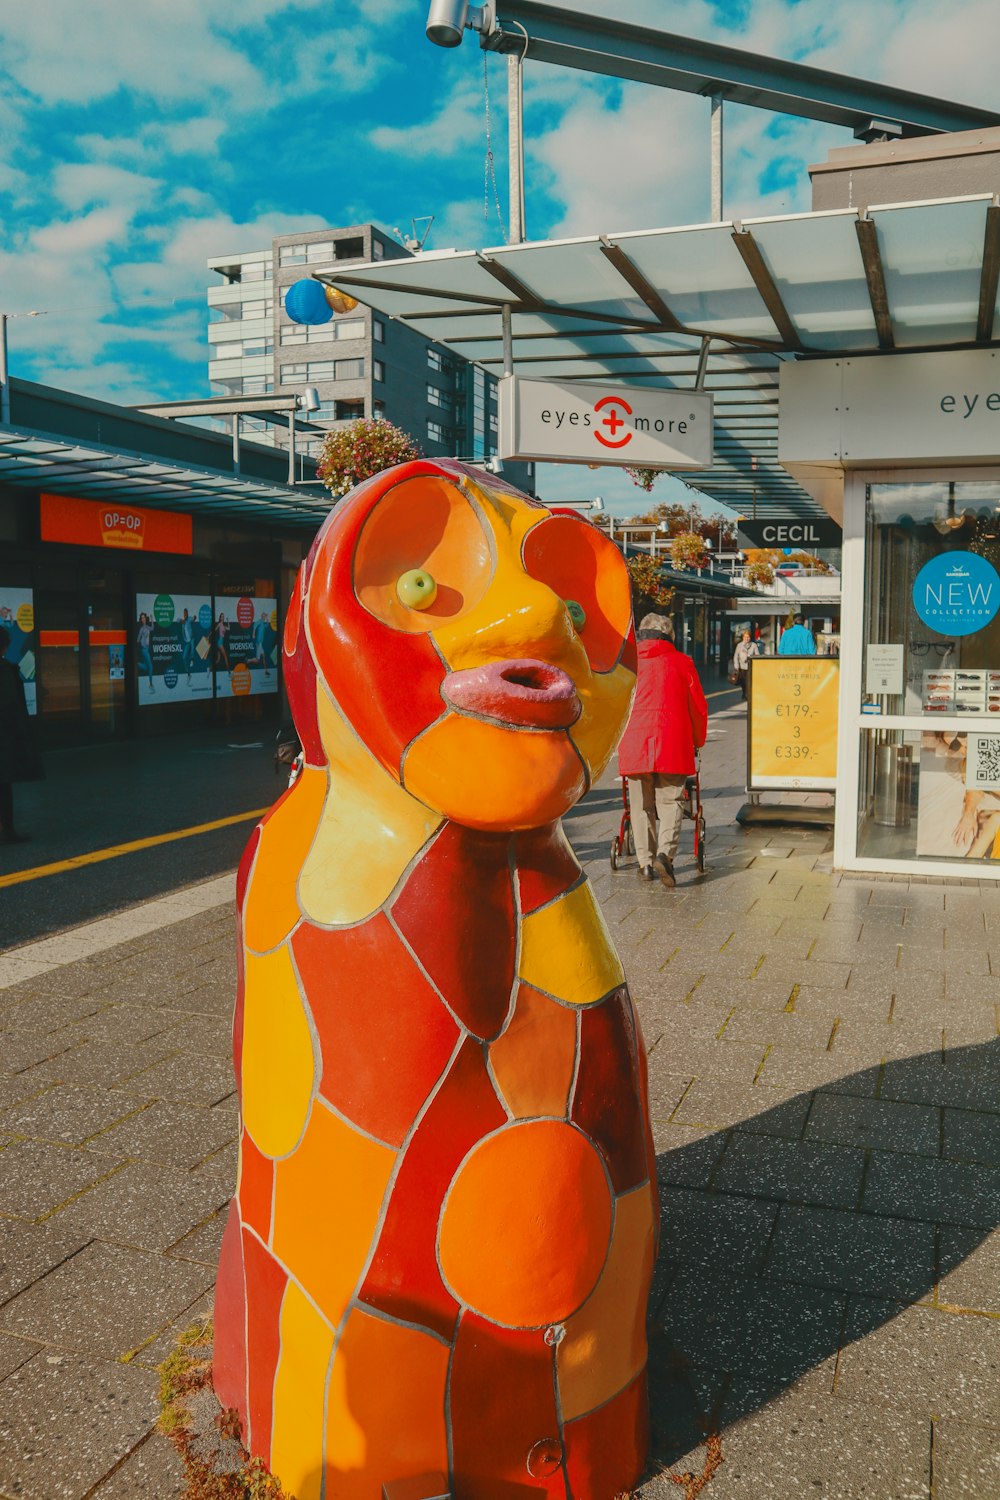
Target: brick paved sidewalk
(825,1073)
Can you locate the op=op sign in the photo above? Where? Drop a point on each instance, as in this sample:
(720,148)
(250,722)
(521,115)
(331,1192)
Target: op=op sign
(580,422)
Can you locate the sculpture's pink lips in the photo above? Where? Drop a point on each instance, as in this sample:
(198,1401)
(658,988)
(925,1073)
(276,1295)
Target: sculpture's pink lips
(525,694)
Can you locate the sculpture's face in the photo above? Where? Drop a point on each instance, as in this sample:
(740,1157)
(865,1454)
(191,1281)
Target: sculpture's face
(479,645)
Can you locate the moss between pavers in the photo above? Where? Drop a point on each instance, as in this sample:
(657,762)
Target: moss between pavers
(216,1465)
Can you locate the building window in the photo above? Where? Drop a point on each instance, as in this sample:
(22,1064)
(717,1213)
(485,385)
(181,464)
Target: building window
(349,249)
(351,328)
(378,331)
(292,374)
(437,397)
(256,270)
(378,249)
(378,370)
(436,432)
(254,348)
(435,359)
(226,351)
(257,385)
(319,251)
(291,255)
(348,411)
(293,333)
(379,411)
(346,369)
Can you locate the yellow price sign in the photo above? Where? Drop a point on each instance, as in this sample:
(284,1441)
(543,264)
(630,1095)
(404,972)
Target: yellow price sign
(792,722)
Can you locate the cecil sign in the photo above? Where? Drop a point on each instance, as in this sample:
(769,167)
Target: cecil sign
(586,423)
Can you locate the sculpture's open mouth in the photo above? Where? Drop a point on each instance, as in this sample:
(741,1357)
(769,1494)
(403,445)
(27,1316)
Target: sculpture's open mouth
(525,694)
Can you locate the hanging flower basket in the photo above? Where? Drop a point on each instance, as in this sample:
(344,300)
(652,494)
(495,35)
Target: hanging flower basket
(644,478)
(760,573)
(359,450)
(687,550)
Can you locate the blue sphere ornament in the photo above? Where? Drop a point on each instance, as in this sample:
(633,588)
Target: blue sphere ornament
(305,302)
(787,551)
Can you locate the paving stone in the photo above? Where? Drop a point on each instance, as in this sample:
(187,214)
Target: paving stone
(153,1471)
(853,1252)
(972,1136)
(919,1359)
(970,1269)
(36,1178)
(15,1088)
(781,1028)
(714,1229)
(118,1023)
(791,1068)
(211,1036)
(152,1355)
(666,1090)
(30,1251)
(69,1113)
(14,1353)
(42,1010)
(204,1242)
(106,1301)
(966,1461)
(178,1135)
(757,1109)
(188,1079)
(65,1421)
(105,1065)
(887,1124)
(923,1080)
(799,1171)
(23,1049)
(804,1444)
(146,1206)
(921,1188)
(716,1059)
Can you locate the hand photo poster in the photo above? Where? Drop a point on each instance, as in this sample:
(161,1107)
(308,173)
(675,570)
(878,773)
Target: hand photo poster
(172,647)
(958,816)
(17,616)
(245,646)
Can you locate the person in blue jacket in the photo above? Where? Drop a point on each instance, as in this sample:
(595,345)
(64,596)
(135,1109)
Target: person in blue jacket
(797,640)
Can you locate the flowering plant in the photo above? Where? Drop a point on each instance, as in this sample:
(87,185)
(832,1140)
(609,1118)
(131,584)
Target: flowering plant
(687,550)
(647,582)
(760,572)
(359,450)
(644,478)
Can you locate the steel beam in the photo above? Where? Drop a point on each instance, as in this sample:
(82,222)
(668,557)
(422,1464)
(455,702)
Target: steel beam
(616,48)
(875,277)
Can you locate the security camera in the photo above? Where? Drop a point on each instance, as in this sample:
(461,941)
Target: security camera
(494,465)
(309,399)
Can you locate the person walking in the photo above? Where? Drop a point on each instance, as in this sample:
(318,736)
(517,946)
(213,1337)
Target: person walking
(746,647)
(187,642)
(668,725)
(15,740)
(143,639)
(797,640)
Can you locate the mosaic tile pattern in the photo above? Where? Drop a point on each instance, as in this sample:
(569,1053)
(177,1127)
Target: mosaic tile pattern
(440,1251)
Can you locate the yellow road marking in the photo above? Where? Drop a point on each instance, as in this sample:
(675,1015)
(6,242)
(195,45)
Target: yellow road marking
(97,855)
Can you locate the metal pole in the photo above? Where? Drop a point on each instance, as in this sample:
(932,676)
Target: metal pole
(291,446)
(716,210)
(236,444)
(515,146)
(508,340)
(4,387)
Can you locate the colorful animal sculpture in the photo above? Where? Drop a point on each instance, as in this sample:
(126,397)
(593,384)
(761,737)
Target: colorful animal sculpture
(439,1255)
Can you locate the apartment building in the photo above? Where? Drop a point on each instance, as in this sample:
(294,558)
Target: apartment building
(362,365)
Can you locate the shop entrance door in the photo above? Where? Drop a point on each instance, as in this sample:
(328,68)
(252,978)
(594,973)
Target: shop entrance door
(107,639)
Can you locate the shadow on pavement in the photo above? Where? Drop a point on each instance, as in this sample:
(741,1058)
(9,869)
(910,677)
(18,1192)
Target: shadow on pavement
(766,1272)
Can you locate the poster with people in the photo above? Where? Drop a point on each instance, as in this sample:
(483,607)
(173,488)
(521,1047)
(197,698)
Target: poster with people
(245,645)
(17,616)
(958,805)
(173,647)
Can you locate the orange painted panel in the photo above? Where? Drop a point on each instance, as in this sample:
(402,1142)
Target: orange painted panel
(89,523)
(272,907)
(525,1230)
(59,638)
(605,1343)
(326,1204)
(386,1407)
(533,1061)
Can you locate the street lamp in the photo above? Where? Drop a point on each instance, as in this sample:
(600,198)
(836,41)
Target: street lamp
(4,382)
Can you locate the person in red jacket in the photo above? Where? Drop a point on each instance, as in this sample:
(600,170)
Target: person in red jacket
(668,725)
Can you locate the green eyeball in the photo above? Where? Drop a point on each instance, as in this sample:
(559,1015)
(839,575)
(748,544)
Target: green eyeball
(416,589)
(577,614)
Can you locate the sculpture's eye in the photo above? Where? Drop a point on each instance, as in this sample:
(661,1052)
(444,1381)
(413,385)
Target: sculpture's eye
(416,589)
(577,614)
(586,570)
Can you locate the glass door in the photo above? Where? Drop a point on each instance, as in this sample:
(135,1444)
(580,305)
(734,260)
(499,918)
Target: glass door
(106,647)
(60,690)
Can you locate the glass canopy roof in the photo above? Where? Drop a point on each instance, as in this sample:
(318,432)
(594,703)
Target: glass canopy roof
(640,306)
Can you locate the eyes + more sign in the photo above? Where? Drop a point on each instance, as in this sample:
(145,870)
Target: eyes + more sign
(586,423)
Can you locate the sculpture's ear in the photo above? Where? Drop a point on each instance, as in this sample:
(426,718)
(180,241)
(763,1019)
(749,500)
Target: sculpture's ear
(300,671)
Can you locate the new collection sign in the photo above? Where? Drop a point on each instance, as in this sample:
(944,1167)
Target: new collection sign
(580,422)
(957,593)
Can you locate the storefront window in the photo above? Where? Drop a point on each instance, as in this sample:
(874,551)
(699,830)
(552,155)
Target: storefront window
(930,785)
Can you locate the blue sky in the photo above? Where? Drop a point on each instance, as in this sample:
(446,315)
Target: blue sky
(142,136)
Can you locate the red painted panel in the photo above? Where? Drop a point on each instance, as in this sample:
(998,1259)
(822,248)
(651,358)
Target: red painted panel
(229,1354)
(606,1450)
(546,866)
(266,1283)
(256,1188)
(607,1101)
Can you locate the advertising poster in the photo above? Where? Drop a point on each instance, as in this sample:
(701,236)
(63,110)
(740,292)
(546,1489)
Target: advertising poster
(792,734)
(245,646)
(17,616)
(958,796)
(172,648)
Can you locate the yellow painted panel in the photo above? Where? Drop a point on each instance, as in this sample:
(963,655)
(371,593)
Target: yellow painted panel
(279,1066)
(605,1343)
(297,1434)
(566,950)
(369,832)
(607,698)
(327,1199)
(272,907)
